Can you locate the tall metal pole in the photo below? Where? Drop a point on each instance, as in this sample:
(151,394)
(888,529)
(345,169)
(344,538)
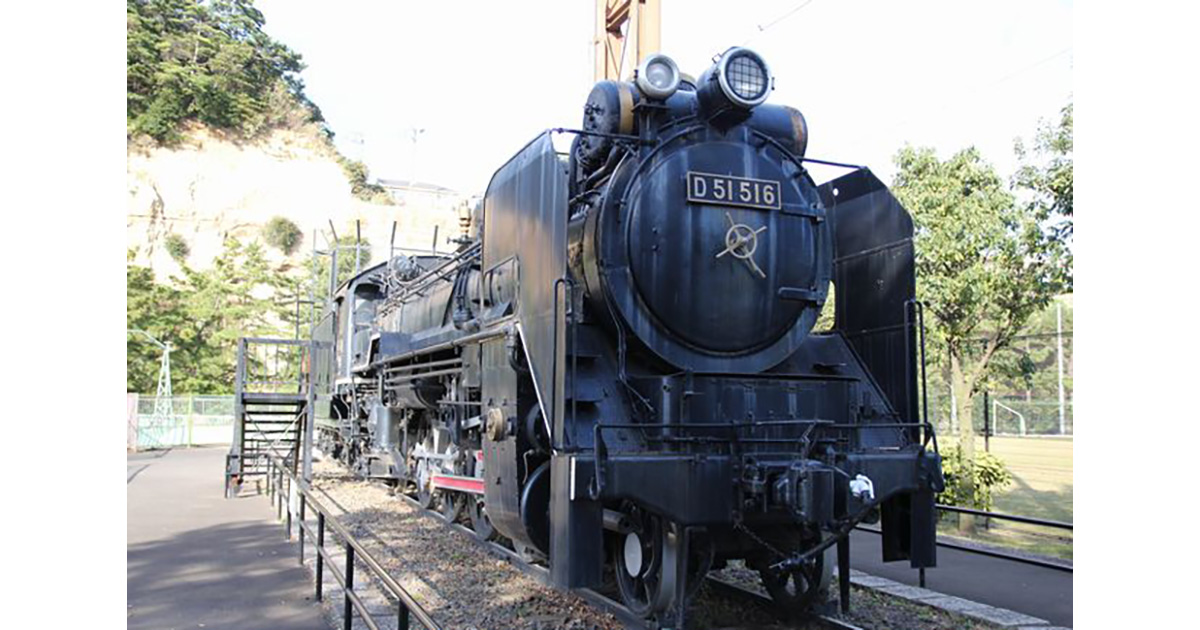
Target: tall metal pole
(163,405)
(357,244)
(414,134)
(987,422)
(1062,399)
(312,286)
(333,265)
(392,245)
(310,412)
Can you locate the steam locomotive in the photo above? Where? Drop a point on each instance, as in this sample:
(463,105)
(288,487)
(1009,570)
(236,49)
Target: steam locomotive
(617,371)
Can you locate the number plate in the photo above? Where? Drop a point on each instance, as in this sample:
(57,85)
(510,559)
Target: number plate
(727,190)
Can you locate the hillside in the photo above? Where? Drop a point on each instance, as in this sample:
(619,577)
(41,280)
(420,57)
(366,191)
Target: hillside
(211,185)
(222,138)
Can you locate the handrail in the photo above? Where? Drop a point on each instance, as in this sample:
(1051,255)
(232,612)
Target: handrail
(271,341)
(993,552)
(278,476)
(1007,517)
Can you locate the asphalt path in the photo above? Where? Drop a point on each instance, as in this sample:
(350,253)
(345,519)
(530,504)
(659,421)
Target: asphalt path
(1036,591)
(197,560)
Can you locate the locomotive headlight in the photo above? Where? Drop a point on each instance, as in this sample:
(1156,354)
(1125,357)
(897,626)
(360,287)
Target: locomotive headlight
(658,76)
(744,77)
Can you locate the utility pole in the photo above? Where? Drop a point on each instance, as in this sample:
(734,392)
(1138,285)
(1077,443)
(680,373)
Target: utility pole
(414,134)
(163,408)
(1062,399)
(641,36)
(359,141)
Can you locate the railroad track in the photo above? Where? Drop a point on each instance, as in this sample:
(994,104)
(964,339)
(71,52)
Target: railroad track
(542,575)
(740,592)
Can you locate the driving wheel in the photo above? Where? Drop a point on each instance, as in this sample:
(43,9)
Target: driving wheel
(646,564)
(796,589)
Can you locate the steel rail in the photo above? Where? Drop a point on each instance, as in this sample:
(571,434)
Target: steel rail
(538,573)
(744,593)
(355,552)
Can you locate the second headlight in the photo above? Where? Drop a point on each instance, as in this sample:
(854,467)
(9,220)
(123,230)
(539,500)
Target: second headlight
(658,76)
(744,77)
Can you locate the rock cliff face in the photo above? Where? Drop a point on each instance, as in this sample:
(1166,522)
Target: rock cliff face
(212,186)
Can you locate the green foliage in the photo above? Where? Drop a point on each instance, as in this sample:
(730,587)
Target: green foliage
(283,234)
(156,309)
(345,264)
(987,472)
(1047,172)
(177,247)
(984,263)
(202,315)
(211,62)
(207,61)
(1030,363)
(825,319)
(360,185)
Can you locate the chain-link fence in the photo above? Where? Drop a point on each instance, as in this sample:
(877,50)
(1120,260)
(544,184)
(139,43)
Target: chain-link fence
(192,421)
(1029,389)
(1009,414)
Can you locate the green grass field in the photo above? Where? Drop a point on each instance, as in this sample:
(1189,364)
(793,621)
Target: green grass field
(1043,487)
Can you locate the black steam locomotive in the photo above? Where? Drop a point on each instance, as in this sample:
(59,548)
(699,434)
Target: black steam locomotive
(617,371)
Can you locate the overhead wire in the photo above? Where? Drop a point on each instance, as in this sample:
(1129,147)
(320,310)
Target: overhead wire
(762,29)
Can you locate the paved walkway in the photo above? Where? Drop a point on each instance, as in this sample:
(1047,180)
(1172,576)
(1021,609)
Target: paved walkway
(1043,593)
(197,560)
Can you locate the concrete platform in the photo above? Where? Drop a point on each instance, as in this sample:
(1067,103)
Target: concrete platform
(198,560)
(1031,590)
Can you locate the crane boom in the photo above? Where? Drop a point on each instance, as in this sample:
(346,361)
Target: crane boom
(624,25)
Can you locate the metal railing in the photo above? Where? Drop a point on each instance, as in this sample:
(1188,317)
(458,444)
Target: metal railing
(281,484)
(994,553)
(1006,517)
(271,365)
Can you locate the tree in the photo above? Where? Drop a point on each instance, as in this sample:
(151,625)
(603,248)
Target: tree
(202,315)
(346,264)
(156,309)
(177,247)
(207,61)
(1027,371)
(1047,172)
(360,185)
(234,298)
(283,235)
(984,266)
(210,61)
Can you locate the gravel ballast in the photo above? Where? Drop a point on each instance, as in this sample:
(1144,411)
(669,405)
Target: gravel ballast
(465,586)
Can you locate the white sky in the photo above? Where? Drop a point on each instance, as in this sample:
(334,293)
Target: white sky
(483,78)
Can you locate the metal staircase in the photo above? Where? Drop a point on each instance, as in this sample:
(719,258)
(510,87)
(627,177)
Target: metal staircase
(273,402)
